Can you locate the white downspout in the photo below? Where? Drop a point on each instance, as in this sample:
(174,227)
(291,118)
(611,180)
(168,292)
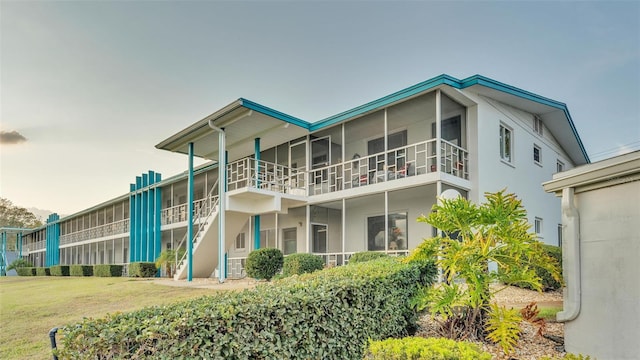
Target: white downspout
(570,257)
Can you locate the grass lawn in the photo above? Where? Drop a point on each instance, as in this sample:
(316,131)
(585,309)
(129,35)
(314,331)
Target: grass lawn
(31,306)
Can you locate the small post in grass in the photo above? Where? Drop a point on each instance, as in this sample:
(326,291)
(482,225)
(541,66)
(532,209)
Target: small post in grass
(52,337)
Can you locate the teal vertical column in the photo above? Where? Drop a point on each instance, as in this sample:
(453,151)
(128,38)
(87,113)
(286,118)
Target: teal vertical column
(151,218)
(52,238)
(256,219)
(144,224)
(56,239)
(3,253)
(48,241)
(158,219)
(132,221)
(138,217)
(190,216)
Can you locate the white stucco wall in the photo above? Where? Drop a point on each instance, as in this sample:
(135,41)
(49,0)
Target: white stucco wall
(522,176)
(608,326)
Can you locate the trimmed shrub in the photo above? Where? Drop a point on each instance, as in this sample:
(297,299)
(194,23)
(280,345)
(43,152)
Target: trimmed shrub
(366,256)
(59,270)
(81,270)
(42,271)
(142,269)
(264,263)
(301,263)
(329,314)
(419,348)
(26,271)
(107,270)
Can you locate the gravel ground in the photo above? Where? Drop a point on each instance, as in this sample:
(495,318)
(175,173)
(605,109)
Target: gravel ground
(530,346)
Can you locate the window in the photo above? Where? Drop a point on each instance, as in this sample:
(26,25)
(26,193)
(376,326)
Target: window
(537,154)
(506,143)
(289,239)
(559,166)
(397,232)
(240,241)
(560,235)
(319,238)
(267,238)
(537,126)
(537,225)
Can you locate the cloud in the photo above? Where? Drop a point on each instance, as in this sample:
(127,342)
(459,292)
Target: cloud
(11,137)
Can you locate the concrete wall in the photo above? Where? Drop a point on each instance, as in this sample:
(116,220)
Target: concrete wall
(608,326)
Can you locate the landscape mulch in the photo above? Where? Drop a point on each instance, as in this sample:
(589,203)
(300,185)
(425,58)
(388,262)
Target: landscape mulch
(530,346)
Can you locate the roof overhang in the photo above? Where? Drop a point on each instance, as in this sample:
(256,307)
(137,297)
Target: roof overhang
(617,170)
(242,121)
(554,114)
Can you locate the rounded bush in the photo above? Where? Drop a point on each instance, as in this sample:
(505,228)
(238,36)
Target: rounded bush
(366,256)
(301,263)
(419,348)
(264,263)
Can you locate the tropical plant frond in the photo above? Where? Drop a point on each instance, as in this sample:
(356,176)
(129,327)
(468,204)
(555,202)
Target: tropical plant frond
(503,326)
(444,299)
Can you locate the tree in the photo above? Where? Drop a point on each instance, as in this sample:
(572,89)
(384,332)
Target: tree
(15,216)
(473,236)
(167,259)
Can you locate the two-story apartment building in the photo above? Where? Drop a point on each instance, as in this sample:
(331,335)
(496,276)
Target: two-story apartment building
(352,182)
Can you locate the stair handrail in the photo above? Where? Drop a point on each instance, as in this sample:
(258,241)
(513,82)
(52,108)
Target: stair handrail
(212,200)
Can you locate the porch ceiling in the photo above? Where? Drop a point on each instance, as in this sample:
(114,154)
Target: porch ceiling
(243,122)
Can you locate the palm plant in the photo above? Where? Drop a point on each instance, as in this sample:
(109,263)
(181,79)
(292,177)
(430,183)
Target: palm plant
(471,237)
(167,259)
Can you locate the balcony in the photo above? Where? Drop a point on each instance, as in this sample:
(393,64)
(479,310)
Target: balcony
(399,163)
(112,229)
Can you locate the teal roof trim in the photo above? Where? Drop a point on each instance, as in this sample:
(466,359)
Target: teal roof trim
(384,101)
(445,79)
(274,113)
(496,85)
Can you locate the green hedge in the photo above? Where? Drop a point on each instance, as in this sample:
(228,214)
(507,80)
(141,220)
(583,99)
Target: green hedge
(142,269)
(81,270)
(59,270)
(301,263)
(26,271)
(418,348)
(264,263)
(42,271)
(329,314)
(366,256)
(107,270)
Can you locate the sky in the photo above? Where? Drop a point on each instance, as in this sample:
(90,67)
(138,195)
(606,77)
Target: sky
(87,89)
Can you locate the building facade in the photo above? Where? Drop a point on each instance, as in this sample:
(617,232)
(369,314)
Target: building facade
(352,182)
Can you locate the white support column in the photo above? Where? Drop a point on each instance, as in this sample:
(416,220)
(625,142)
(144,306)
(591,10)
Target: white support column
(308,233)
(344,230)
(386,221)
(438,132)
